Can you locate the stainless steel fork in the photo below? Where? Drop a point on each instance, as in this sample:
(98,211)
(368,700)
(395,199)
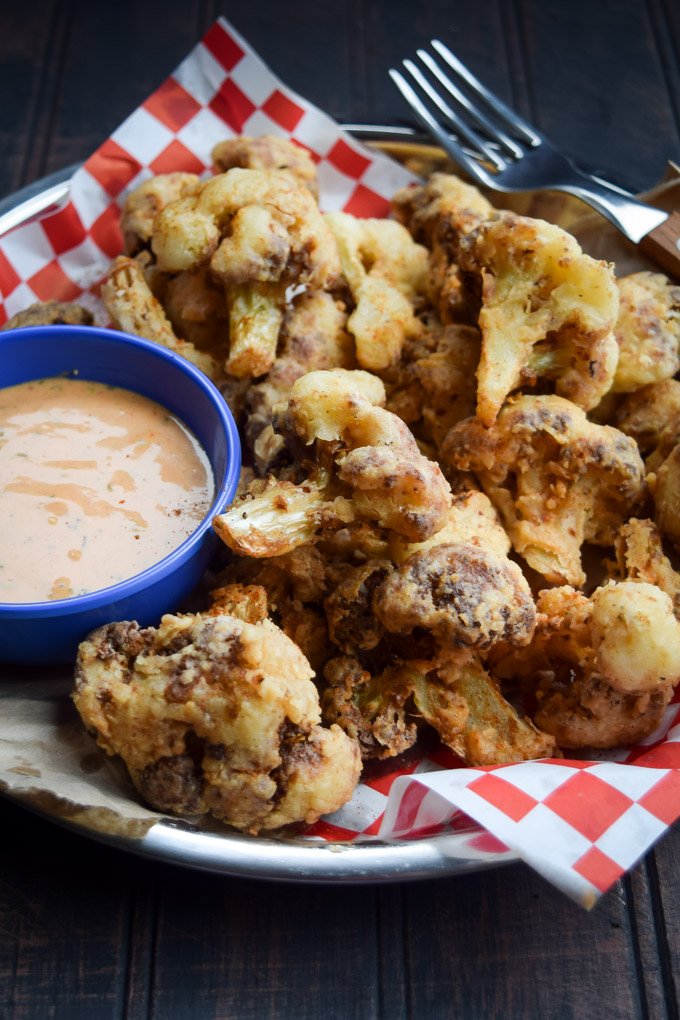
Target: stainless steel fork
(501,151)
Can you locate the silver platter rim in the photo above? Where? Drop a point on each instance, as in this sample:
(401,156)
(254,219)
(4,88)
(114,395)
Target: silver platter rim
(176,841)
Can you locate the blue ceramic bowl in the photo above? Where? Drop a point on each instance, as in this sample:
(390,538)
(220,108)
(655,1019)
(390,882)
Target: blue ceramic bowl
(49,632)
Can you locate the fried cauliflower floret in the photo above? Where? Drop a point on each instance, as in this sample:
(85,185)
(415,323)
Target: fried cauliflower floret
(647,331)
(556,479)
(459,700)
(134,309)
(391,482)
(442,209)
(197,309)
(471,519)
(276,517)
(215,715)
(143,204)
(50,313)
(547,311)
(386,273)
(438,214)
(664,484)
(640,557)
(268,152)
(259,232)
(350,608)
(366,465)
(432,386)
(251,226)
(645,414)
(462,594)
(313,336)
(607,665)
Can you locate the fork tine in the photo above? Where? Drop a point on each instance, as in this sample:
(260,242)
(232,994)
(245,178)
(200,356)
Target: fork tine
(476,115)
(462,129)
(449,144)
(512,120)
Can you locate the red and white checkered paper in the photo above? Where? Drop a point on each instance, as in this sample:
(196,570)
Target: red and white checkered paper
(581,824)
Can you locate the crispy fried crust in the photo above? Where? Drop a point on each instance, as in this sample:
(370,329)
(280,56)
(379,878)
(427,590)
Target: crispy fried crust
(647,331)
(267,152)
(214,714)
(464,595)
(606,665)
(134,309)
(547,311)
(556,479)
(386,273)
(50,313)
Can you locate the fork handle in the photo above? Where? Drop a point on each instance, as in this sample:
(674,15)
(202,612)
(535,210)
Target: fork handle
(661,245)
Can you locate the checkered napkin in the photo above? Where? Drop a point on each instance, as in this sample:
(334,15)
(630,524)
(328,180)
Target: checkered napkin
(581,824)
(221,89)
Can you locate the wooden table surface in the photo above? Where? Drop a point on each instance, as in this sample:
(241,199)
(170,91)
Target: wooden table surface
(87,931)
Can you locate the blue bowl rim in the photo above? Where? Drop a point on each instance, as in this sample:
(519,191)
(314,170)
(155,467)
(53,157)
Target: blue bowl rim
(224,493)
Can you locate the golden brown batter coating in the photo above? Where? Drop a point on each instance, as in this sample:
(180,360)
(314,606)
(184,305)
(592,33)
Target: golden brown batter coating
(134,309)
(438,214)
(214,714)
(640,557)
(556,479)
(459,700)
(647,413)
(462,594)
(547,312)
(387,275)
(432,386)
(607,665)
(143,204)
(50,313)
(267,152)
(647,331)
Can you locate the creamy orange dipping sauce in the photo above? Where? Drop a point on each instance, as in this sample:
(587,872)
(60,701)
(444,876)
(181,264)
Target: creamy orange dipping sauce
(96,484)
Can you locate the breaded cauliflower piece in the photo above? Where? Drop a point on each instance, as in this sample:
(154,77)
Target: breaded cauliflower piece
(459,700)
(664,485)
(464,595)
(313,336)
(556,479)
(640,557)
(363,464)
(607,664)
(259,232)
(290,583)
(547,311)
(267,152)
(386,273)
(134,309)
(391,481)
(645,414)
(214,714)
(441,210)
(647,331)
(251,226)
(353,625)
(275,517)
(471,519)
(50,313)
(143,204)
(432,386)
(438,213)
(197,310)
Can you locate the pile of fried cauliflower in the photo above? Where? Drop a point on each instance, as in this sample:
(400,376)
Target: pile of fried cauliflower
(462,492)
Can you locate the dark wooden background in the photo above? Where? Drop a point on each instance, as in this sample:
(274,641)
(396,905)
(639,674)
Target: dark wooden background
(87,931)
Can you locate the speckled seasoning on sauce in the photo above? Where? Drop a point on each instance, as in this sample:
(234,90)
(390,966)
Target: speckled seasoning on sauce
(97,483)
